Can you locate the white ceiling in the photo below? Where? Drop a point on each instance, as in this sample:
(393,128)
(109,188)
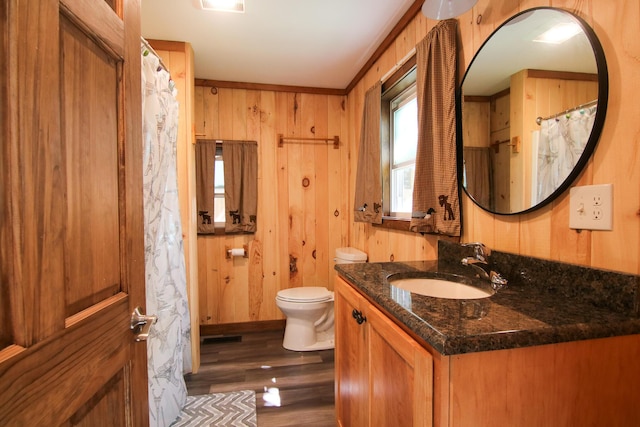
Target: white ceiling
(313,43)
(512,49)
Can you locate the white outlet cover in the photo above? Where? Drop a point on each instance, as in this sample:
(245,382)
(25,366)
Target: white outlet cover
(591,207)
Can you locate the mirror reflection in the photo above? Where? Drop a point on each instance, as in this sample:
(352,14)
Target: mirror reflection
(529,102)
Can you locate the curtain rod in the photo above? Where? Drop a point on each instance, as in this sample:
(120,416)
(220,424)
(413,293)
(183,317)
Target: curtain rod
(586,104)
(282,139)
(398,65)
(150,49)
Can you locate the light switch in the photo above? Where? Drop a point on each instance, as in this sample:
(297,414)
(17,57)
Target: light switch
(591,207)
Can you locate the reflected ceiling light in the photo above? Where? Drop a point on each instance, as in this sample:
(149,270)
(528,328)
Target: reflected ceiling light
(445,9)
(271,397)
(223,5)
(559,33)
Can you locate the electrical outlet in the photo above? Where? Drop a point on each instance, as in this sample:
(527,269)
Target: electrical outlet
(597,214)
(591,207)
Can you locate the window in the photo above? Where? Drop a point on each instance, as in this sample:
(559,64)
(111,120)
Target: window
(404,140)
(226,189)
(399,143)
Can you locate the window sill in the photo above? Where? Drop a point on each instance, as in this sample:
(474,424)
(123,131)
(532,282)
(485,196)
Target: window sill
(394,223)
(220,231)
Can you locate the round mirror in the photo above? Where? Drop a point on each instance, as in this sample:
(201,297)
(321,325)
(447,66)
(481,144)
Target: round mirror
(531,109)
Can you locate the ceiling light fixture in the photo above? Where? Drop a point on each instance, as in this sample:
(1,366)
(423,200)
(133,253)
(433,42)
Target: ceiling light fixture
(445,9)
(559,33)
(223,5)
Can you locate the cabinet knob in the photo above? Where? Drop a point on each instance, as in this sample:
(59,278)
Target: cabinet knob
(358,316)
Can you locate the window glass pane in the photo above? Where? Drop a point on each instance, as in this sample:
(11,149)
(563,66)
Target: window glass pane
(218,209)
(402,188)
(404,142)
(399,144)
(218,179)
(405,132)
(218,189)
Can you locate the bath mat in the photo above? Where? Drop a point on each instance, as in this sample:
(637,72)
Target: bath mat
(234,409)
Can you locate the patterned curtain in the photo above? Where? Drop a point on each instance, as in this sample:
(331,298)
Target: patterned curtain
(169,342)
(240,185)
(478,173)
(205,173)
(368,191)
(436,199)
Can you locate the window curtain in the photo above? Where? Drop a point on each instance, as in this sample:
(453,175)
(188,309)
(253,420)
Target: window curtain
(205,172)
(240,185)
(478,172)
(368,191)
(436,199)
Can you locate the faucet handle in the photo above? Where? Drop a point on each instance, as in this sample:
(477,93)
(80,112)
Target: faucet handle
(480,250)
(497,281)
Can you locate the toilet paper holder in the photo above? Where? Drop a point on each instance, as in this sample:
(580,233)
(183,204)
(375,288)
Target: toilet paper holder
(233,252)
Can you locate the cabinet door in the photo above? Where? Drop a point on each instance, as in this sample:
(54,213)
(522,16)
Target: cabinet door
(351,359)
(401,375)
(383,376)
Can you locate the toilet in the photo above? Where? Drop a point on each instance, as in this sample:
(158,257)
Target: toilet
(309,310)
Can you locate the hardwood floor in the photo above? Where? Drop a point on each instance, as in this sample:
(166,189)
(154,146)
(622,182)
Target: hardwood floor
(292,388)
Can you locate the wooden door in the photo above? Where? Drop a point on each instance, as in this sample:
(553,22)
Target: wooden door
(351,359)
(71,218)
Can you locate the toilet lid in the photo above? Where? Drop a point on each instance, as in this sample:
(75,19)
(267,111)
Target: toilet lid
(305,294)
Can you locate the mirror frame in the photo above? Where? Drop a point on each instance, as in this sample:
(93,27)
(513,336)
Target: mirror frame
(598,124)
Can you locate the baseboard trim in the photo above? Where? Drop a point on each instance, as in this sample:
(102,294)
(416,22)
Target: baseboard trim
(236,328)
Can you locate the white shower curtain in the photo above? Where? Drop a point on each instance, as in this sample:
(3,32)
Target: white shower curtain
(560,144)
(168,346)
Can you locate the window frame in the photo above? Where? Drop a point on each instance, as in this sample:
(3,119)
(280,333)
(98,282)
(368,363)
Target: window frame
(398,102)
(396,84)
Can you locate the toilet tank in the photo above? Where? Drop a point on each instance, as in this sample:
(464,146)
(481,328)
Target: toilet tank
(349,255)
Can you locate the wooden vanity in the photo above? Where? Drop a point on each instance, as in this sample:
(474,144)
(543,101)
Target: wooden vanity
(383,376)
(392,371)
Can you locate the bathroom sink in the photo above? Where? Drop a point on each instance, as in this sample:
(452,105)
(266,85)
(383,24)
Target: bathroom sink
(439,285)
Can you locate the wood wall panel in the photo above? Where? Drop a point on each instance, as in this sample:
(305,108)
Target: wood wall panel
(294,219)
(297,229)
(544,233)
(617,158)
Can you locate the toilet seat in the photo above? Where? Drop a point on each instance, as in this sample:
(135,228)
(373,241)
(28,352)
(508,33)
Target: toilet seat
(305,294)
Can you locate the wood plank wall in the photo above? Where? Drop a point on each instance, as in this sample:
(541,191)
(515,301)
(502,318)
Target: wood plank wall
(302,200)
(294,220)
(544,233)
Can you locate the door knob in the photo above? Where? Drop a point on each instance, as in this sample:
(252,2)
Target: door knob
(141,324)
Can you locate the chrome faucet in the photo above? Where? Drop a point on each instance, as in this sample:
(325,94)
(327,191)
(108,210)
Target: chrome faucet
(481,263)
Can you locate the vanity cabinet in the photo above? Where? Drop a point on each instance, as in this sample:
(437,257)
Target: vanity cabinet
(383,376)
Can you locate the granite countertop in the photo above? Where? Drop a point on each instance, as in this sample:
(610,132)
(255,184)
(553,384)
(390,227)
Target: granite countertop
(577,304)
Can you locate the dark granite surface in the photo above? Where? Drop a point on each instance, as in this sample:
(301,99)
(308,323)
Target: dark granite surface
(545,303)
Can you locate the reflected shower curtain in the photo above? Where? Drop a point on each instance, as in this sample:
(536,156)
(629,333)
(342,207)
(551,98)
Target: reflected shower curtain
(560,144)
(168,346)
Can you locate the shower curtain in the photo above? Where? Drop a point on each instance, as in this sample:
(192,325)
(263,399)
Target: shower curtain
(561,142)
(168,345)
